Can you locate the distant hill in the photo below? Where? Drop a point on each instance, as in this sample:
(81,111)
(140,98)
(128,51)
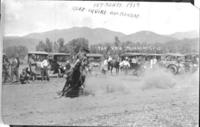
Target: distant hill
(184,35)
(148,37)
(97,35)
(100,35)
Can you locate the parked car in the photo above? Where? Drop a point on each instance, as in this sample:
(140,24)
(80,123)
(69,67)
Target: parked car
(58,63)
(34,59)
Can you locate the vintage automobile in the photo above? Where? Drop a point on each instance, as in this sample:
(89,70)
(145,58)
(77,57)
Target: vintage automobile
(131,55)
(153,55)
(58,64)
(136,60)
(174,62)
(61,58)
(94,59)
(34,58)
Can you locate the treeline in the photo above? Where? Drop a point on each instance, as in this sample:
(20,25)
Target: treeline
(175,46)
(182,46)
(116,47)
(16,51)
(60,45)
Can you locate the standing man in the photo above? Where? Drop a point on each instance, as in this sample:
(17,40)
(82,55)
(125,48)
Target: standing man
(32,67)
(15,69)
(127,65)
(154,62)
(104,66)
(151,63)
(109,62)
(6,67)
(133,60)
(109,59)
(44,69)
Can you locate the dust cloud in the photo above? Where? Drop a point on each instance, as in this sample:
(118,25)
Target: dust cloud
(156,78)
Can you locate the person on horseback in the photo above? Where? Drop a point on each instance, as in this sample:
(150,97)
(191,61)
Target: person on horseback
(75,77)
(85,63)
(67,66)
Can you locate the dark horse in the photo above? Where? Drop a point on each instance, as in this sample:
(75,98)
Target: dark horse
(113,64)
(55,67)
(75,79)
(137,68)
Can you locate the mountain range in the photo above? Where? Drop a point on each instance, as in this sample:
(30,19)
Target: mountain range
(94,36)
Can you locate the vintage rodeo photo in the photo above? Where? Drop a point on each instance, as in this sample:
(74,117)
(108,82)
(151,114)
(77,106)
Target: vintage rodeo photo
(100,63)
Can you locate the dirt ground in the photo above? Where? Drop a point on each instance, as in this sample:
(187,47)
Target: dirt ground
(153,100)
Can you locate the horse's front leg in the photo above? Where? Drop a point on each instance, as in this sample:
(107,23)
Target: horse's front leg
(111,70)
(122,69)
(126,70)
(117,70)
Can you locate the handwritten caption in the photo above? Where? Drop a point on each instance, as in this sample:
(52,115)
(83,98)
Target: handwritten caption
(113,9)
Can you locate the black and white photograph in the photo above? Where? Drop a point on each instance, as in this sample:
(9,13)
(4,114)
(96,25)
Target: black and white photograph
(100,63)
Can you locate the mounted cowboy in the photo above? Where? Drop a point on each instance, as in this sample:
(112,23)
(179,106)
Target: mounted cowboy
(75,77)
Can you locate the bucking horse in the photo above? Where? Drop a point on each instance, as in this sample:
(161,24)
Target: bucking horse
(74,81)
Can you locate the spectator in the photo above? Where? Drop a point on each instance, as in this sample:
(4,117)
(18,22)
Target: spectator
(44,69)
(134,60)
(15,69)
(24,77)
(6,67)
(32,67)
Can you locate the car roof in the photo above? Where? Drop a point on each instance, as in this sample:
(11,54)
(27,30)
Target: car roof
(58,53)
(193,53)
(131,54)
(94,55)
(38,52)
(174,54)
(152,54)
(143,54)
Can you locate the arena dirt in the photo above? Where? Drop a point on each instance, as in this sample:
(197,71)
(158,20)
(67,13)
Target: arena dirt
(157,98)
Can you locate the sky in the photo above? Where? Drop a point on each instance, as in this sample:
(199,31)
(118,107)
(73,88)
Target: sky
(22,17)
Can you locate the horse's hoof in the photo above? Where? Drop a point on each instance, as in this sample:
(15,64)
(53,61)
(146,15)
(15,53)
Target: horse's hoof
(57,97)
(59,93)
